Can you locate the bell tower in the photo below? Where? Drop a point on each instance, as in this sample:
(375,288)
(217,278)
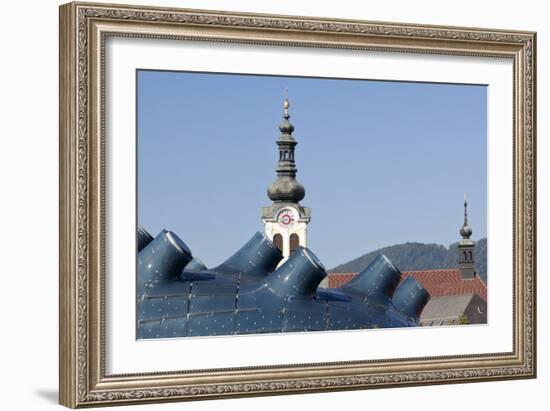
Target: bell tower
(466,248)
(285,221)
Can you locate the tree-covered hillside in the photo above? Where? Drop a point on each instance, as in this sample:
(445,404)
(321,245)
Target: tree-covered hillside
(419,256)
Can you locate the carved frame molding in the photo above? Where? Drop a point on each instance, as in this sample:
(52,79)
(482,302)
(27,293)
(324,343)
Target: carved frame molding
(83,30)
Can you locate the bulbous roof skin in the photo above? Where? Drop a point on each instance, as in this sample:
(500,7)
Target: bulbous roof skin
(379,277)
(410,298)
(258,256)
(247,295)
(143,238)
(161,261)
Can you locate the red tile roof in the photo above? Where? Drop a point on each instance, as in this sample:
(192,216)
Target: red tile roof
(336,280)
(436,282)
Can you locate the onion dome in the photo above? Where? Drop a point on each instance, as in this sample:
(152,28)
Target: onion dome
(286,189)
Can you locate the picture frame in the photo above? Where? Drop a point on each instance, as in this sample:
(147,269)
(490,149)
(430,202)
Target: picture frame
(85,28)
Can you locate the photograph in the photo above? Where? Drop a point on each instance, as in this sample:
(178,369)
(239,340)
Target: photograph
(257,203)
(276,204)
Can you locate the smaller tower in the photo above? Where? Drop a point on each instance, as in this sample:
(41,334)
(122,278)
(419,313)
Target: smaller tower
(466,248)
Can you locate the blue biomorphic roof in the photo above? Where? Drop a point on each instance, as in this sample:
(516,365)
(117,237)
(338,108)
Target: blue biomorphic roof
(177,296)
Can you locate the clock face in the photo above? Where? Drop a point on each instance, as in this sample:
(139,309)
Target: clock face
(286,217)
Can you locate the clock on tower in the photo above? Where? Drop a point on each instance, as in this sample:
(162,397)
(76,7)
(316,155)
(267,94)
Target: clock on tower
(286,217)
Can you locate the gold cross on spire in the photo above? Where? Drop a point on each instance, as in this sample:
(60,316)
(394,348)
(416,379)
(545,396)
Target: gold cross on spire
(286,104)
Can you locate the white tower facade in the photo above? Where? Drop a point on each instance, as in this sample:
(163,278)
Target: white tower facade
(286,221)
(286,225)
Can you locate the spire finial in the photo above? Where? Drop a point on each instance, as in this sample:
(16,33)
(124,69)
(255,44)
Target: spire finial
(286,103)
(465,230)
(286,126)
(465,210)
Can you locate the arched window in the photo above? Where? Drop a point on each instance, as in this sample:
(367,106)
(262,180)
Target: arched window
(465,255)
(286,155)
(280,155)
(292,155)
(471,255)
(294,243)
(278,241)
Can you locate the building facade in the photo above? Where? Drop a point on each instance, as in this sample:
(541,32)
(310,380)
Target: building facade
(461,309)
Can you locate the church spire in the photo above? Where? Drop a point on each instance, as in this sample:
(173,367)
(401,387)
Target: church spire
(286,220)
(286,188)
(466,248)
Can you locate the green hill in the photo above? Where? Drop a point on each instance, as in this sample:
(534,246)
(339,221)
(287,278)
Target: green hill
(419,256)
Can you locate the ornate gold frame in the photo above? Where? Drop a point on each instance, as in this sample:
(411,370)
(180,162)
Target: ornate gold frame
(83,30)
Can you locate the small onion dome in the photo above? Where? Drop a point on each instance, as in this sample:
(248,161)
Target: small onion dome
(286,126)
(466,231)
(286,188)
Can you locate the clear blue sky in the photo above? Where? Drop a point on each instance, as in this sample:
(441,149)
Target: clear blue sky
(382,162)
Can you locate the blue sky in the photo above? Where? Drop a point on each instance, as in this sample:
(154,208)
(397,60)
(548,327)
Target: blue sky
(382,162)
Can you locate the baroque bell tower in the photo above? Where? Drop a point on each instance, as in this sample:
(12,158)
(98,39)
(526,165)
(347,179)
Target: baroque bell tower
(285,221)
(466,248)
